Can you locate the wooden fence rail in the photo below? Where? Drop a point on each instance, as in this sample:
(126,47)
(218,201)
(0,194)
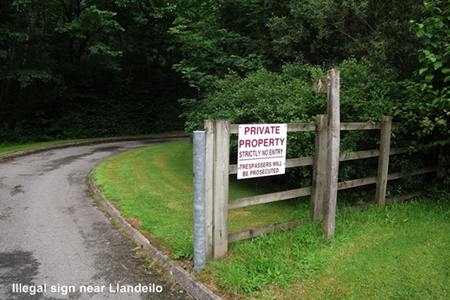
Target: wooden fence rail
(251,233)
(271,197)
(305,127)
(309,161)
(306,191)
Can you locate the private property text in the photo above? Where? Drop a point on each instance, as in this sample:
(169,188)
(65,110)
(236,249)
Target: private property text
(261,150)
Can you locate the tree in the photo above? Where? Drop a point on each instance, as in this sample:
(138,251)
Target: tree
(74,68)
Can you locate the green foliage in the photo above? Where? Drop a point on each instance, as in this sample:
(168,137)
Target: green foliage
(426,97)
(92,33)
(216,37)
(330,30)
(26,77)
(380,74)
(209,49)
(433,32)
(288,97)
(265,96)
(76,69)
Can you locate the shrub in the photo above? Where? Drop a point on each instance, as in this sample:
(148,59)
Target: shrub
(285,97)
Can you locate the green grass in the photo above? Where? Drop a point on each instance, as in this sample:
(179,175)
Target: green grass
(12,148)
(153,187)
(399,252)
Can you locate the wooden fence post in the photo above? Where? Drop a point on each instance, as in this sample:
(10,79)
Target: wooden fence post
(221,180)
(332,170)
(210,127)
(383,160)
(319,168)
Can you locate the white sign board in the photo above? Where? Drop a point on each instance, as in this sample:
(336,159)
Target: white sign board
(261,150)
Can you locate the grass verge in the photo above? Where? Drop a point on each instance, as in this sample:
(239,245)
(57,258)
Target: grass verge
(152,187)
(12,148)
(400,251)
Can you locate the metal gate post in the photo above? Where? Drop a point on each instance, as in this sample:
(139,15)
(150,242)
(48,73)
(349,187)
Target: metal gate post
(199,201)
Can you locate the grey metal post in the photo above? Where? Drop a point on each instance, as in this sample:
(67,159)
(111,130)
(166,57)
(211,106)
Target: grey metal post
(199,201)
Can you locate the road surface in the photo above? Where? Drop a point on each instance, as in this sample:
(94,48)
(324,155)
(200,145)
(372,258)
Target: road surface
(53,236)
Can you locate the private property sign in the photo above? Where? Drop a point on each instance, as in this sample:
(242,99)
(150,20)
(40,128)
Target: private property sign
(261,150)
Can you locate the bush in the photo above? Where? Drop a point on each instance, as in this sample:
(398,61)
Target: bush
(286,97)
(265,96)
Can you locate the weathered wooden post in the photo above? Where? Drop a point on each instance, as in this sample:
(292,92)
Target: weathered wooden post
(332,170)
(383,160)
(221,165)
(319,168)
(210,127)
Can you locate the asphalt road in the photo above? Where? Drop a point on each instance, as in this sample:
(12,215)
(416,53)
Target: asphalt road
(52,233)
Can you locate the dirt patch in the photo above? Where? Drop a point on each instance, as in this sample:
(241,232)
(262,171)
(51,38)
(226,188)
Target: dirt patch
(135,222)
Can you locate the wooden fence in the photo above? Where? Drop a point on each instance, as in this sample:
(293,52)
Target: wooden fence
(218,169)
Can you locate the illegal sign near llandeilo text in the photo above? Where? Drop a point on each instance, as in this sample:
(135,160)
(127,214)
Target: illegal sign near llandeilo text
(261,150)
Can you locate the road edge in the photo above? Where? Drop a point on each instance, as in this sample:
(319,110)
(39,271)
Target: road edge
(94,141)
(185,279)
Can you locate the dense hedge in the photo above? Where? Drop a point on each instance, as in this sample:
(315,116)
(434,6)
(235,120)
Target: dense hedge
(94,119)
(288,96)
